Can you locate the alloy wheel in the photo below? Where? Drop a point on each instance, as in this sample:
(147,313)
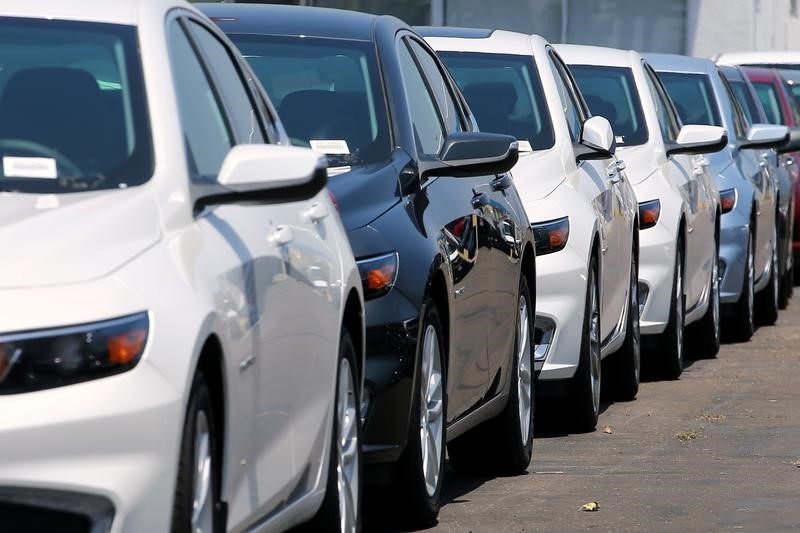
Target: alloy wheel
(679,310)
(594,347)
(524,384)
(347,468)
(637,348)
(751,271)
(775,270)
(715,291)
(431,410)
(202,502)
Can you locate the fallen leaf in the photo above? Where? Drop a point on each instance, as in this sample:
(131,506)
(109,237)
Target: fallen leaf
(686,436)
(608,430)
(712,417)
(591,507)
(796,463)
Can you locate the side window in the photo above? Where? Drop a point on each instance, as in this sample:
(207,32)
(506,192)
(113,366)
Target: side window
(232,88)
(739,120)
(424,115)
(666,121)
(569,103)
(208,139)
(439,87)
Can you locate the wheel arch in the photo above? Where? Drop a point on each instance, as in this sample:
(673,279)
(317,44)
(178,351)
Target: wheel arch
(353,322)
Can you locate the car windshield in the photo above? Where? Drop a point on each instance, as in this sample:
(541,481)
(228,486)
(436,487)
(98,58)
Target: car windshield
(73,115)
(746,100)
(327,93)
(610,92)
(505,94)
(693,97)
(769,99)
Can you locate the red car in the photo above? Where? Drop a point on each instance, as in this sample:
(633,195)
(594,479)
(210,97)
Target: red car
(781,108)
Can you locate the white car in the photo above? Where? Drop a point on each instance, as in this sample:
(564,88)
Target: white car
(582,208)
(679,208)
(181,344)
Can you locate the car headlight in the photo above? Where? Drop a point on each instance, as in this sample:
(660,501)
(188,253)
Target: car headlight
(727,200)
(378,274)
(48,358)
(551,236)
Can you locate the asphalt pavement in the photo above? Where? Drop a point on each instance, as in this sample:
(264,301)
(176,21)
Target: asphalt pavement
(718,449)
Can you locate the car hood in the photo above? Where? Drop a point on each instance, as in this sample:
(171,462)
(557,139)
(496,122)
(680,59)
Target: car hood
(365,192)
(71,238)
(537,174)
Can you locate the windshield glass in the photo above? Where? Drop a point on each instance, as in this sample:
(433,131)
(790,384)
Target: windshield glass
(769,99)
(746,100)
(610,92)
(327,93)
(693,97)
(72,107)
(505,94)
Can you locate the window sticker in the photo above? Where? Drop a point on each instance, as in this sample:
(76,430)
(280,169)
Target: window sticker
(30,167)
(332,146)
(524,146)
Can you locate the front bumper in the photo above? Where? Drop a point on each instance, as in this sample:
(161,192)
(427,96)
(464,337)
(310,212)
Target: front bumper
(112,440)
(560,306)
(656,273)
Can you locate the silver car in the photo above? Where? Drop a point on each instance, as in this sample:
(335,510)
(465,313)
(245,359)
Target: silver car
(747,177)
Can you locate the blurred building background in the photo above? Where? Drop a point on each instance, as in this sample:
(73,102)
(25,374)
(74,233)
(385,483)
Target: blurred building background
(694,27)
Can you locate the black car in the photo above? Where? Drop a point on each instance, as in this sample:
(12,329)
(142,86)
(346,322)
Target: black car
(437,228)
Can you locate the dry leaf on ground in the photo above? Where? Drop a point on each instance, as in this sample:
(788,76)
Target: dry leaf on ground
(591,506)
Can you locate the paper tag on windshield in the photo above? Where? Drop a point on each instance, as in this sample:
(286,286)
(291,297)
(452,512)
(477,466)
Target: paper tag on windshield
(30,167)
(333,146)
(524,146)
(620,139)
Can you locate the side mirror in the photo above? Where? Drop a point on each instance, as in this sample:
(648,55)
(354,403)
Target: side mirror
(466,154)
(699,139)
(765,136)
(597,140)
(266,174)
(793,144)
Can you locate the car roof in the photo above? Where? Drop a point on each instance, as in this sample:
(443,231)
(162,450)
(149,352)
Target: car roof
(782,57)
(109,11)
(577,54)
(679,63)
(470,40)
(731,72)
(291,20)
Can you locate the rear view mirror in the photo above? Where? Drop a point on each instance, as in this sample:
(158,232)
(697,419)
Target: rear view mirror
(699,139)
(765,136)
(476,154)
(597,140)
(263,173)
(792,144)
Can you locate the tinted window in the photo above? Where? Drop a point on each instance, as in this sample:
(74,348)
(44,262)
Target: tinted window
(739,119)
(427,124)
(746,101)
(439,87)
(505,94)
(611,93)
(73,115)
(207,137)
(227,78)
(324,90)
(693,97)
(769,99)
(661,105)
(568,103)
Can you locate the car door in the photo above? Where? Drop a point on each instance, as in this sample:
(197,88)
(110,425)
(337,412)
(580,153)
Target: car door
(277,292)
(456,207)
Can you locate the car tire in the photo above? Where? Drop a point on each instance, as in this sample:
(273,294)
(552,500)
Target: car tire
(505,444)
(768,299)
(705,335)
(341,508)
(671,343)
(787,288)
(419,486)
(585,386)
(742,320)
(198,453)
(625,365)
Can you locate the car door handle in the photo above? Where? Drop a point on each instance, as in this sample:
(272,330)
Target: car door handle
(317,212)
(613,171)
(282,235)
(502,183)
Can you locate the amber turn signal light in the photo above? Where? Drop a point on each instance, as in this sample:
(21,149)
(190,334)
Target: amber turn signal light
(727,200)
(649,212)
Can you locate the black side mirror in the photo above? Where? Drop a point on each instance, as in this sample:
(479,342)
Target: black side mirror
(792,144)
(466,154)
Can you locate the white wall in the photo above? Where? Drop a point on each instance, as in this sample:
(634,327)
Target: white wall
(735,25)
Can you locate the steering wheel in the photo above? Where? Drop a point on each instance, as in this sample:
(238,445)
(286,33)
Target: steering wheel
(70,168)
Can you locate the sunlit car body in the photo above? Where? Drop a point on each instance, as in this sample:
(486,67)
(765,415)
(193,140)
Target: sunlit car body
(180,291)
(678,265)
(748,167)
(449,343)
(595,213)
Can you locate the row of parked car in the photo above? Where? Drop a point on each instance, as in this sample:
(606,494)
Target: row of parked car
(199,335)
